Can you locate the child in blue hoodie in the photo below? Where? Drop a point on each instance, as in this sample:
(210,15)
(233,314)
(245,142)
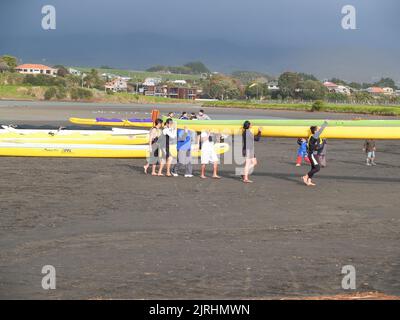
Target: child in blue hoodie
(302,152)
(184,158)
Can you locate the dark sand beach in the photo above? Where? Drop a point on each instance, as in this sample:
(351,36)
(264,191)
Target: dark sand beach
(112,232)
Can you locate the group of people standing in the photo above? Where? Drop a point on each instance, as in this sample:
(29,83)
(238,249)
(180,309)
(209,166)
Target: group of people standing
(164,135)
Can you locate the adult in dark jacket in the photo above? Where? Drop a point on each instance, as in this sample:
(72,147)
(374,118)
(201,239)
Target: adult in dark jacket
(248,153)
(314,144)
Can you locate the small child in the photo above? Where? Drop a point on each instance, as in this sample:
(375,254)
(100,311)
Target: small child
(370,148)
(302,152)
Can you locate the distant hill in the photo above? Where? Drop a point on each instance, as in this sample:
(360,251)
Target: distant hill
(141,75)
(246,77)
(195,67)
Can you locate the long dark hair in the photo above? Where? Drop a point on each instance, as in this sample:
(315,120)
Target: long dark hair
(157,122)
(246,126)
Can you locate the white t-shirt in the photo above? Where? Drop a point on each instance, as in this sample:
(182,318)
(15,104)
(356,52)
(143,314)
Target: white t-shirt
(208,154)
(205,141)
(170,132)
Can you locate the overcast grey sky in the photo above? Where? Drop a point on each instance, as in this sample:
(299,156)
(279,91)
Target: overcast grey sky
(264,35)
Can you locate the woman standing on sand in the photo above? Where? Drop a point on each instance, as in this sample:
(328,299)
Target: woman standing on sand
(314,145)
(248,139)
(167,138)
(154,146)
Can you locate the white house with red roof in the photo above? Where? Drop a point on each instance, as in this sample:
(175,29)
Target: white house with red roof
(375,90)
(336,88)
(330,86)
(29,68)
(117,84)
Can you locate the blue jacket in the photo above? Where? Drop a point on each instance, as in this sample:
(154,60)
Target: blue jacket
(184,140)
(302,151)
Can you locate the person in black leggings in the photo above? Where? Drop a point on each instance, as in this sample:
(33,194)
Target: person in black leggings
(154,146)
(314,144)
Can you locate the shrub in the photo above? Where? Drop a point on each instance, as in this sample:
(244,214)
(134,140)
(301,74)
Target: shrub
(317,105)
(81,93)
(61,93)
(50,93)
(11,78)
(44,80)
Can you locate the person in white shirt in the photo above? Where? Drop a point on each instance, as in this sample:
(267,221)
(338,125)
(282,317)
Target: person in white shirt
(203,116)
(167,138)
(208,155)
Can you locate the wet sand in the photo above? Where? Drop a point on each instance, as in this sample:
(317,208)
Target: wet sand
(112,232)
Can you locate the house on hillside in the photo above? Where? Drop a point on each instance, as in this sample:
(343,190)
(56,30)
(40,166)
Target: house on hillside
(182,93)
(337,88)
(117,85)
(343,90)
(388,91)
(180,82)
(151,82)
(154,90)
(330,86)
(375,91)
(273,86)
(36,69)
(74,72)
(170,91)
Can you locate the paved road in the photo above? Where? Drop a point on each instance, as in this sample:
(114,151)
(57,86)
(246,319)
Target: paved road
(112,232)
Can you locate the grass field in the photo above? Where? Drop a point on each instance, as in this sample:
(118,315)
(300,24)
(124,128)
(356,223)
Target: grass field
(10,92)
(21,92)
(327,107)
(141,75)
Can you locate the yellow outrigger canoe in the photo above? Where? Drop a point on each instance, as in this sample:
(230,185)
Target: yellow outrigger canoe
(144,123)
(383,133)
(336,129)
(89,150)
(281,128)
(65,137)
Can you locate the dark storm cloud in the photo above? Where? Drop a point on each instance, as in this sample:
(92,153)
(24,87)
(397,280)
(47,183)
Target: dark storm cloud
(270,36)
